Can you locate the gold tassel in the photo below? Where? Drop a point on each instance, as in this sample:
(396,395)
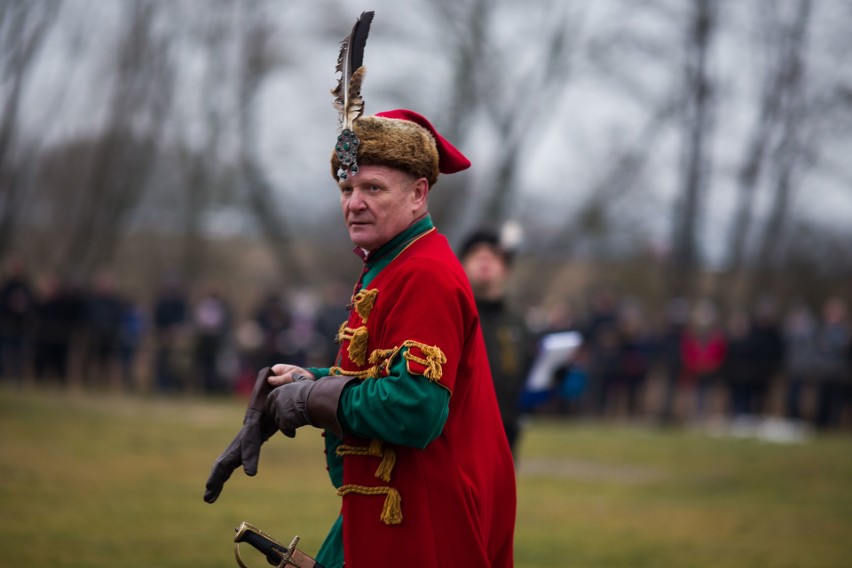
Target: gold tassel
(434,359)
(382,355)
(386,465)
(364,302)
(376,449)
(358,345)
(340,331)
(392,509)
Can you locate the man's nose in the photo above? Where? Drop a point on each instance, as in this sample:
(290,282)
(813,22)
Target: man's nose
(356,201)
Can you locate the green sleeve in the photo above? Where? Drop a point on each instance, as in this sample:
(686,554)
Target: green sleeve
(402,409)
(330,554)
(318,371)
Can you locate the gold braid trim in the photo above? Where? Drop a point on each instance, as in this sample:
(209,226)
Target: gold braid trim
(357,343)
(392,510)
(340,330)
(365,374)
(433,362)
(364,301)
(382,359)
(376,449)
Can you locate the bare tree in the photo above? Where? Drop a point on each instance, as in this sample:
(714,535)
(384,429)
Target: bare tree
(791,155)
(696,129)
(201,163)
(23,29)
(258,58)
(782,78)
(514,98)
(127,149)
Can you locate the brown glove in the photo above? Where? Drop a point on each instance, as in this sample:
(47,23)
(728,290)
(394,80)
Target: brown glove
(307,402)
(244,449)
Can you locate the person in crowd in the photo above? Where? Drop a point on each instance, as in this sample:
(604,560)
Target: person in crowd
(17,309)
(170,318)
(767,350)
(104,313)
(211,321)
(703,348)
(58,318)
(669,357)
(273,317)
(331,315)
(300,343)
(800,328)
(738,368)
(602,346)
(832,363)
(637,352)
(133,328)
(508,342)
(409,409)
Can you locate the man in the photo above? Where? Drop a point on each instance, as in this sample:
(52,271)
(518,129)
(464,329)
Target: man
(409,409)
(509,344)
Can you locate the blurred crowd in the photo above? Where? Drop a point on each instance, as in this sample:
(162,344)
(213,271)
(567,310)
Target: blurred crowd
(694,364)
(688,364)
(95,336)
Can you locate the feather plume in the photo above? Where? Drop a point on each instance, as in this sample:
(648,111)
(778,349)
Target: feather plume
(347,93)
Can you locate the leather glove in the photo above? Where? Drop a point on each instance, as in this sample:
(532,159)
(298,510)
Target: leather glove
(307,402)
(244,449)
(286,405)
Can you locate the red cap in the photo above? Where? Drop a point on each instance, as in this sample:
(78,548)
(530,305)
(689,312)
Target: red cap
(450,160)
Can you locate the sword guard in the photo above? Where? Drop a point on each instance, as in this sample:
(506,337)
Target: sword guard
(276,553)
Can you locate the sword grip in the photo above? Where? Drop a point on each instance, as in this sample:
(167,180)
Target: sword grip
(273,550)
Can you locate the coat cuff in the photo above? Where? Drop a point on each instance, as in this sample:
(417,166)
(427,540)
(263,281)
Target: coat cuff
(323,401)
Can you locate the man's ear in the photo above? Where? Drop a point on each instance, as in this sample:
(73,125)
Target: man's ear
(420,193)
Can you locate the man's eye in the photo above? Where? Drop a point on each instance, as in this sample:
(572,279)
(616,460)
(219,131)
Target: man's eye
(375,189)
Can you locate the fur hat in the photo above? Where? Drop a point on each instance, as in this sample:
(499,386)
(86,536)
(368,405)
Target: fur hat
(404,140)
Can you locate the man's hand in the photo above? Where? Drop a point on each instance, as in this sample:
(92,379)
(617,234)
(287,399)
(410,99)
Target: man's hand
(287,404)
(244,449)
(283,374)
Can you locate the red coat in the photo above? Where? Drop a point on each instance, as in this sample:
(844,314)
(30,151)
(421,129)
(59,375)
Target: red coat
(451,503)
(702,355)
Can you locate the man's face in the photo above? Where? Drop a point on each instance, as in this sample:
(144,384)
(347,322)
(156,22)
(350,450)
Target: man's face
(380,202)
(486,269)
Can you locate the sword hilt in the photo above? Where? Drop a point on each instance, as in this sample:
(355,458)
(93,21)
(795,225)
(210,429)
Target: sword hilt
(276,553)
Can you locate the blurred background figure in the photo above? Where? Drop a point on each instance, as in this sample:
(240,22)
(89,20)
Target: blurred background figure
(170,316)
(273,318)
(602,346)
(58,317)
(669,357)
(104,315)
(832,363)
(300,343)
(331,314)
(17,310)
(800,328)
(487,263)
(703,349)
(637,351)
(738,367)
(133,330)
(767,344)
(211,321)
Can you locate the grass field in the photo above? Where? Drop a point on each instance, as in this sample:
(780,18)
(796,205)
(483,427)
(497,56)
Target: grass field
(95,480)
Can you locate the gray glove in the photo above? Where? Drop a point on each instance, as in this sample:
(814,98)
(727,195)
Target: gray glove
(307,402)
(244,449)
